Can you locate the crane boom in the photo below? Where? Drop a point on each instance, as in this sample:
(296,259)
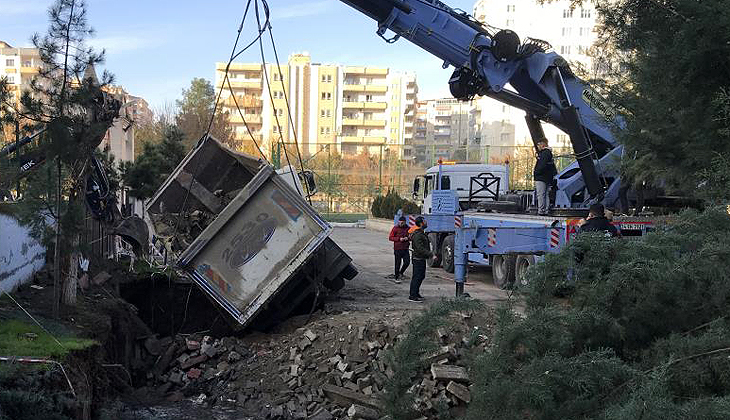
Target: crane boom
(524,74)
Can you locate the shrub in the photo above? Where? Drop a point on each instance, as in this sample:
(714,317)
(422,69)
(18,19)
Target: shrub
(643,331)
(388,205)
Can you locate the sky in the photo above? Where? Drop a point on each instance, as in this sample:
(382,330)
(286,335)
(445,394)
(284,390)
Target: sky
(155,48)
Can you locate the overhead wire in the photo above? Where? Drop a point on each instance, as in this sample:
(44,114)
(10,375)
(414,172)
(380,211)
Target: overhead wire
(268,87)
(288,110)
(212,117)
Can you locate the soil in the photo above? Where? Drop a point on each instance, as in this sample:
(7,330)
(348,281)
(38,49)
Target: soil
(116,379)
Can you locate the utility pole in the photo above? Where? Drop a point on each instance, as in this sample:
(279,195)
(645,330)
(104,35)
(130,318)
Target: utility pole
(17,155)
(380,174)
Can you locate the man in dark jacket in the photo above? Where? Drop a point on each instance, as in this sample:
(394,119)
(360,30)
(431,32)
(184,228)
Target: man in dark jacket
(399,237)
(597,222)
(544,173)
(421,252)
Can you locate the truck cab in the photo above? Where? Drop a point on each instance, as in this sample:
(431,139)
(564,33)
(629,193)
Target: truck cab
(471,182)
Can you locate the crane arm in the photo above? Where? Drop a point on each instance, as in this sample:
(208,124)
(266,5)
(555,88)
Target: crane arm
(526,75)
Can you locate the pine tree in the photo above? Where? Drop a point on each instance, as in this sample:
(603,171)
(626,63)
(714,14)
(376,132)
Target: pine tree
(66,100)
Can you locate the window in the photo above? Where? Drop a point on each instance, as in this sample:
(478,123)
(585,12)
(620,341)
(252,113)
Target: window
(275,129)
(566,31)
(10,62)
(27,63)
(277,77)
(585,13)
(504,137)
(11,78)
(565,49)
(510,7)
(567,13)
(368,98)
(325,113)
(279,112)
(510,22)
(326,78)
(326,96)
(278,94)
(324,130)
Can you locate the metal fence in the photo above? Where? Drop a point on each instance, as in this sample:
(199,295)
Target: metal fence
(349,180)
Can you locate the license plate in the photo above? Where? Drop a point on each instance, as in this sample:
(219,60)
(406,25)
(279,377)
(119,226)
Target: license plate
(632,226)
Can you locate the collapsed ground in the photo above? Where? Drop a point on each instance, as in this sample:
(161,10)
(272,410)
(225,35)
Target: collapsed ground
(208,368)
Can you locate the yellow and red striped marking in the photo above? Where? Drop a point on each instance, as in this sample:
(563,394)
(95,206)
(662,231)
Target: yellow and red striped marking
(491,237)
(554,238)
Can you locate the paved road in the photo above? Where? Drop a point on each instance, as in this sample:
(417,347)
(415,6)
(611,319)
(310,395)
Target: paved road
(372,253)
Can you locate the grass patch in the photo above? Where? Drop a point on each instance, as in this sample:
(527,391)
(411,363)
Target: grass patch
(18,338)
(344,217)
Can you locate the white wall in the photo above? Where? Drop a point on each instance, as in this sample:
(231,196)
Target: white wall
(20,255)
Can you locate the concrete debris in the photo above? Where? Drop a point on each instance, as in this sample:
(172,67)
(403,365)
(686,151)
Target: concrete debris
(360,412)
(340,372)
(459,391)
(448,372)
(101,278)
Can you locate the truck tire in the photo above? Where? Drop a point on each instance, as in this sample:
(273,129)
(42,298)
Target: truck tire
(434,261)
(523,263)
(503,271)
(447,254)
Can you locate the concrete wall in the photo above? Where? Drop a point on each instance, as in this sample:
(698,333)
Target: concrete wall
(379,225)
(20,254)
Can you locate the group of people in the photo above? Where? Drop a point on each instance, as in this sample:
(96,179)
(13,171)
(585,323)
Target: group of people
(404,237)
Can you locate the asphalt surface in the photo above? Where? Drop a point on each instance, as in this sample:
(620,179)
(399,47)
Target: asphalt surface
(372,254)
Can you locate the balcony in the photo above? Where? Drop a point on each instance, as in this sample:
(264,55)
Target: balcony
(366,70)
(241,84)
(243,102)
(363,122)
(365,88)
(365,105)
(238,67)
(235,118)
(364,139)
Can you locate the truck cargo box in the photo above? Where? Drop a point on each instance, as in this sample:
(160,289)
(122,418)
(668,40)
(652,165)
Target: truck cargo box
(251,242)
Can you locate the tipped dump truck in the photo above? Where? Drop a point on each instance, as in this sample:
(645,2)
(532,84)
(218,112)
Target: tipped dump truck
(246,236)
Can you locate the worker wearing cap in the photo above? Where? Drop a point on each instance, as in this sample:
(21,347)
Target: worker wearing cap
(401,241)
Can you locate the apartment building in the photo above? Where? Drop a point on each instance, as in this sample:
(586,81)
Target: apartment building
(355,108)
(446,129)
(18,66)
(571,32)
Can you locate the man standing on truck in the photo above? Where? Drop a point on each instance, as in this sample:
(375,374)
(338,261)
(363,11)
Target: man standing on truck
(543,174)
(421,252)
(399,237)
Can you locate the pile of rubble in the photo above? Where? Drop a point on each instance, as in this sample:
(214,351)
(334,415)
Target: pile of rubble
(323,371)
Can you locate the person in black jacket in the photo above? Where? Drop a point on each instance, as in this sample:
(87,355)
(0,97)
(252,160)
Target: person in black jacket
(421,252)
(598,222)
(544,173)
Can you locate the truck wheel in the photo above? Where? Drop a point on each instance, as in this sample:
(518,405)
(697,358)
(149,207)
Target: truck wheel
(503,271)
(447,254)
(523,263)
(434,261)
(335,284)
